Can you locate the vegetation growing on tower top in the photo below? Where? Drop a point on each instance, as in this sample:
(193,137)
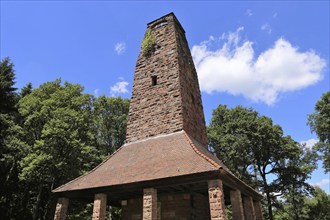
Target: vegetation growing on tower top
(148,44)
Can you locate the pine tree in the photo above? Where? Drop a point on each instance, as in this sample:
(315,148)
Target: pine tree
(7,90)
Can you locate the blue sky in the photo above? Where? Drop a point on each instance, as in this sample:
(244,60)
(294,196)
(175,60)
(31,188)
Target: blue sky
(271,56)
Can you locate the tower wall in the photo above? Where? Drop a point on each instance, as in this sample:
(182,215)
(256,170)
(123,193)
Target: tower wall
(166,96)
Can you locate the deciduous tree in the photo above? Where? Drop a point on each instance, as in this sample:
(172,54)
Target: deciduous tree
(255,149)
(110,123)
(319,122)
(58,121)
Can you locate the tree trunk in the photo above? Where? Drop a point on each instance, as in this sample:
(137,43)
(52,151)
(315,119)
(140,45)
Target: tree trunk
(35,211)
(269,200)
(269,205)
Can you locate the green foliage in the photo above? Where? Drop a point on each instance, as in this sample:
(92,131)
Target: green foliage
(68,134)
(48,136)
(11,144)
(255,149)
(11,152)
(79,210)
(319,122)
(110,121)
(7,91)
(148,44)
(318,207)
(58,122)
(229,212)
(26,90)
(230,135)
(315,206)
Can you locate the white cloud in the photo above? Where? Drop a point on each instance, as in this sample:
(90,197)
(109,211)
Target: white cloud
(266,28)
(309,143)
(275,15)
(249,12)
(96,92)
(321,183)
(234,68)
(119,88)
(120,48)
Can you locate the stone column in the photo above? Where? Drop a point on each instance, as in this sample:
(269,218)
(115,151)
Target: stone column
(150,204)
(236,203)
(100,206)
(61,209)
(249,208)
(216,200)
(257,210)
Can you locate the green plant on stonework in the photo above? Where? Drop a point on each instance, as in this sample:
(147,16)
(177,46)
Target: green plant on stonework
(148,44)
(229,212)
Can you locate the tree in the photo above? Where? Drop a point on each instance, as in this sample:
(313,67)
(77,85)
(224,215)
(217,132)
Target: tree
(299,166)
(26,90)
(7,91)
(68,133)
(110,119)
(319,205)
(254,149)
(11,152)
(11,142)
(48,136)
(231,134)
(58,121)
(319,123)
(315,206)
(110,123)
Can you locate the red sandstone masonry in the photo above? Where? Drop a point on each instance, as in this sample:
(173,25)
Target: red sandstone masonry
(174,103)
(216,200)
(172,207)
(150,204)
(237,205)
(257,210)
(99,209)
(133,209)
(249,212)
(193,120)
(174,107)
(61,209)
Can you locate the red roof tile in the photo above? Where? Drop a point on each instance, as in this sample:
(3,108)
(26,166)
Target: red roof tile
(155,158)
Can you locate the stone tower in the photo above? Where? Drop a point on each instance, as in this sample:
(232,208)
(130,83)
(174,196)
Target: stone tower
(166,96)
(165,170)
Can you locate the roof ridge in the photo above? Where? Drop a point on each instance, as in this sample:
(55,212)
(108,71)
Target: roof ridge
(195,148)
(79,177)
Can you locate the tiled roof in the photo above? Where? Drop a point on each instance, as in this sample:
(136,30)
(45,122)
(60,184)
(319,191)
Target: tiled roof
(155,158)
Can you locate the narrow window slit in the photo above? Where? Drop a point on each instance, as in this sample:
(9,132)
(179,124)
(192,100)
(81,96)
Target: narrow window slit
(154,80)
(160,24)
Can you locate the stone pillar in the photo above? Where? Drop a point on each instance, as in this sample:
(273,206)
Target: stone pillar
(249,208)
(257,210)
(150,204)
(216,200)
(61,209)
(236,203)
(100,206)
